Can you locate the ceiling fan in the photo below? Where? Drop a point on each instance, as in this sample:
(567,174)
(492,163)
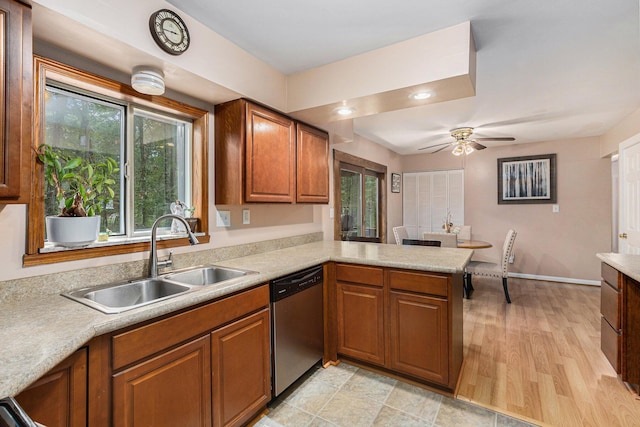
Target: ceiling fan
(462,143)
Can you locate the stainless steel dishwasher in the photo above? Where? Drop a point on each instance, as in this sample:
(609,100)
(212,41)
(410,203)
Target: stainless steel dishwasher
(296,325)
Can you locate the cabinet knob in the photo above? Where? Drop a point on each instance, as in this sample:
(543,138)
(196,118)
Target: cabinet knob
(623,235)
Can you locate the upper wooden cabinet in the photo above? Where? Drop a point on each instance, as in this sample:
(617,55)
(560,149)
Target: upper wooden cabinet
(264,156)
(15,101)
(312,166)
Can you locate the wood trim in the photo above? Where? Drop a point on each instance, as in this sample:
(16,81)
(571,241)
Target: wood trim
(99,389)
(330,315)
(44,69)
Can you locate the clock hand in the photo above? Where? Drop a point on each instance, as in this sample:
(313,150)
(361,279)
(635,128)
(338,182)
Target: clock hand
(169,31)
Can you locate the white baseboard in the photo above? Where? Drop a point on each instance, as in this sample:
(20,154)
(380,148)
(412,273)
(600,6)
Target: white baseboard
(556,279)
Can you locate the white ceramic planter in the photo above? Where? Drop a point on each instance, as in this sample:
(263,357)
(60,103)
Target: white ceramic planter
(72,232)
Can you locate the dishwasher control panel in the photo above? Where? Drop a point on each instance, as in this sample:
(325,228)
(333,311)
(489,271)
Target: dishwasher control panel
(296,282)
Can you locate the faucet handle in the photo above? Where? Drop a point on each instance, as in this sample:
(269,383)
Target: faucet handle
(166,262)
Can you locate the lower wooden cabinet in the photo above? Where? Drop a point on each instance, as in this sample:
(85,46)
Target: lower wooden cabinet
(241,369)
(361,322)
(59,398)
(171,389)
(407,322)
(419,334)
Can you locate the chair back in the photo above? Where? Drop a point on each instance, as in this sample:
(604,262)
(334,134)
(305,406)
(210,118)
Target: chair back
(465,232)
(421,242)
(449,240)
(400,233)
(507,249)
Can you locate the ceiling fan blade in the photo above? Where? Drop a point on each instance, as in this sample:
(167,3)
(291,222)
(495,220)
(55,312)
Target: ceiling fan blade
(439,149)
(477,146)
(433,146)
(506,138)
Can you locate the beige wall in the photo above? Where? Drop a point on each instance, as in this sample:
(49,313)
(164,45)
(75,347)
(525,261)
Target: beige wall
(624,130)
(560,244)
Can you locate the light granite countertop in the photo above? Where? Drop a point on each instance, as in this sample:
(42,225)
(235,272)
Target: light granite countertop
(627,264)
(40,331)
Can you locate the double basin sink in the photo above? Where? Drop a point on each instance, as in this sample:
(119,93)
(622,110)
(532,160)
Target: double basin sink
(123,296)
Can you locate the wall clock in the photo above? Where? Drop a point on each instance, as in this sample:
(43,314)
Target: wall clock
(169,31)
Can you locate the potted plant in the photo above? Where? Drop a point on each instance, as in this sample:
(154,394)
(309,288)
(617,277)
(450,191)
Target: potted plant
(83,188)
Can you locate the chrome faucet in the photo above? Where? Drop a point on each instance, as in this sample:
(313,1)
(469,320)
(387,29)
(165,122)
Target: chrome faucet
(153,254)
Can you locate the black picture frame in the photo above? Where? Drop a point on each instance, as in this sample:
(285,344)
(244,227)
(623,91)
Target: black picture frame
(527,179)
(396,180)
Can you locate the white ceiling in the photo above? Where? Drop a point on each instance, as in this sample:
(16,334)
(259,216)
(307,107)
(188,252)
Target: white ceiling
(546,70)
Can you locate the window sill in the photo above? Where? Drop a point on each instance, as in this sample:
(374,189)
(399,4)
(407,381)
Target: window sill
(114,246)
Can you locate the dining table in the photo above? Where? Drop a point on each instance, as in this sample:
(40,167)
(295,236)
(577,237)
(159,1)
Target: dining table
(473,244)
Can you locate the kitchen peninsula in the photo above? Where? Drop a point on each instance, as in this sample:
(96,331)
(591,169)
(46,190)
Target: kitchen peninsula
(42,329)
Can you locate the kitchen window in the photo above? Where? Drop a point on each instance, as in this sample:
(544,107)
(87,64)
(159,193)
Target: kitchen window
(159,144)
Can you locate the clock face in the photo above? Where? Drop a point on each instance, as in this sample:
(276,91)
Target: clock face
(169,31)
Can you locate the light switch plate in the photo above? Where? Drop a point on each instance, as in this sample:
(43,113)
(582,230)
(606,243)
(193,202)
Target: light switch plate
(223,219)
(556,208)
(246,216)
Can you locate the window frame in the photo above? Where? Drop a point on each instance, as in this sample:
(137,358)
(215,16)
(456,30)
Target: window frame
(44,69)
(343,160)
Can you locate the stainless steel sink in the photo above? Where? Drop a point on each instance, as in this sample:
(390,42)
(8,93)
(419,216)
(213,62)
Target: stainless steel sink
(206,275)
(119,297)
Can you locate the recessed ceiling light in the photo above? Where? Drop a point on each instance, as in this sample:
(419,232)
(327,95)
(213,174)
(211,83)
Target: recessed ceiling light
(344,110)
(420,95)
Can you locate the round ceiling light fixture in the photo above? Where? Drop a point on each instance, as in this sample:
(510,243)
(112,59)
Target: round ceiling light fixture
(147,80)
(420,95)
(344,110)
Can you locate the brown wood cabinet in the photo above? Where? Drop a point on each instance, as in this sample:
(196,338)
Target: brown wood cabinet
(312,165)
(261,154)
(171,389)
(407,322)
(610,308)
(241,369)
(16,100)
(209,365)
(59,398)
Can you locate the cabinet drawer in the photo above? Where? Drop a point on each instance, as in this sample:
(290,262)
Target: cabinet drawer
(419,282)
(610,303)
(359,274)
(610,343)
(610,275)
(144,341)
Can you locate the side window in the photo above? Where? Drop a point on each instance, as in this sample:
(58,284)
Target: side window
(358,197)
(159,144)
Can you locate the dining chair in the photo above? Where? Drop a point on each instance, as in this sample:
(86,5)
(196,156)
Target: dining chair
(491,269)
(400,233)
(464,233)
(420,242)
(449,240)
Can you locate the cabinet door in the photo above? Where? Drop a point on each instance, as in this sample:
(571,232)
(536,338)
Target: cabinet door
(270,156)
(59,398)
(312,165)
(241,369)
(418,336)
(361,322)
(15,101)
(172,389)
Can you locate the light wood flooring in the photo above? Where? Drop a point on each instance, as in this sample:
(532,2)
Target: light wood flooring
(539,358)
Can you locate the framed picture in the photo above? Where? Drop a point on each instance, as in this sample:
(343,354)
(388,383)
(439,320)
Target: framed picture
(396,179)
(528,179)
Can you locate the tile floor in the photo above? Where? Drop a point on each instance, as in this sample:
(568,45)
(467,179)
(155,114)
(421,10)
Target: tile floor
(348,396)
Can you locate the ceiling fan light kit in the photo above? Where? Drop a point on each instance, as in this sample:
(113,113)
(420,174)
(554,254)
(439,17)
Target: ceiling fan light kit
(462,143)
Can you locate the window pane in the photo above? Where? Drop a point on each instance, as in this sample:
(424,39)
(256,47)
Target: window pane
(351,216)
(371,206)
(161,164)
(88,128)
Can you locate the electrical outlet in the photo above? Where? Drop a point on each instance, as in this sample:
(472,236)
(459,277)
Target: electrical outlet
(223,219)
(246,216)
(511,259)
